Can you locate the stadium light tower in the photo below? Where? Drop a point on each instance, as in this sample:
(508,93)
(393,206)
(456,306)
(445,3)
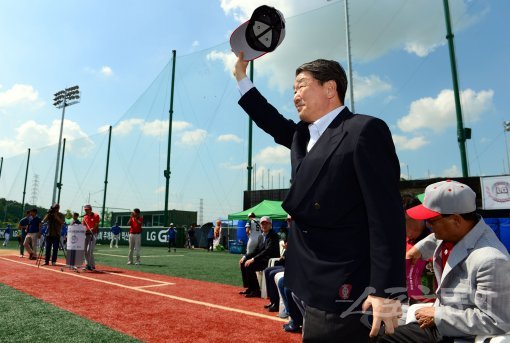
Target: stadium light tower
(62,99)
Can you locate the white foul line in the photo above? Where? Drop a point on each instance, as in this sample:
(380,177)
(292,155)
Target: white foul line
(190,301)
(124,256)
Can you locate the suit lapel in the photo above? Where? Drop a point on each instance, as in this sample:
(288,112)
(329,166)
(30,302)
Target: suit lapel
(461,250)
(321,151)
(299,143)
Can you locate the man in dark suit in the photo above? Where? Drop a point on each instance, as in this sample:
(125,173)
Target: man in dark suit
(268,247)
(347,242)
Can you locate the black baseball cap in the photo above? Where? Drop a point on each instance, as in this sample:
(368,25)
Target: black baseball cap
(263,33)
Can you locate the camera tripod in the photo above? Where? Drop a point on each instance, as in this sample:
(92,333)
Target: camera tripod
(43,245)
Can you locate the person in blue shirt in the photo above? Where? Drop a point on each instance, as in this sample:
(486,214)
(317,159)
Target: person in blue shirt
(7,235)
(33,234)
(172,235)
(63,237)
(210,239)
(115,235)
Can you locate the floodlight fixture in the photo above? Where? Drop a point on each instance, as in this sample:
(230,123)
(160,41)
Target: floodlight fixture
(62,99)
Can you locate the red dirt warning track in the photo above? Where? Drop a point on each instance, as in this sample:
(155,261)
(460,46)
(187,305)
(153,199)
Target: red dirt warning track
(149,307)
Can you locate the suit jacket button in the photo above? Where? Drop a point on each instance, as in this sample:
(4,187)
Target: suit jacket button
(317,206)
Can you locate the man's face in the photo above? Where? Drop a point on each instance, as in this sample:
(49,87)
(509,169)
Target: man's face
(266,226)
(88,211)
(310,97)
(443,227)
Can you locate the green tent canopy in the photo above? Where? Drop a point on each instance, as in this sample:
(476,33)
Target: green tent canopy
(270,208)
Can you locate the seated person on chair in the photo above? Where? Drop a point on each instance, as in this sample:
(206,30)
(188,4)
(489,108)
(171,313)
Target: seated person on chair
(472,269)
(267,247)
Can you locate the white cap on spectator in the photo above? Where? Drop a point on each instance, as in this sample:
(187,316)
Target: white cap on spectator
(266,219)
(444,197)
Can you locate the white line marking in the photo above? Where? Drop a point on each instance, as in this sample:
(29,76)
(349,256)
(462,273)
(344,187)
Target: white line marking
(163,284)
(186,300)
(137,277)
(125,256)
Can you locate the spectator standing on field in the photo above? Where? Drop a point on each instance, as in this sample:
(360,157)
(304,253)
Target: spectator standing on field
(191,236)
(135,235)
(55,219)
(23,229)
(172,235)
(210,239)
(7,235)
(115,235)
(91,224)
(254,233)
(33,234)
(75,220)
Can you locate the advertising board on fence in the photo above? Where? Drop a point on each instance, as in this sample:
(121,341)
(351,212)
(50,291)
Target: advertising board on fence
(496,192)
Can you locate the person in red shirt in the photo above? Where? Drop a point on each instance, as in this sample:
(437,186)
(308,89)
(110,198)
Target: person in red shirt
(91,224)
(135,235)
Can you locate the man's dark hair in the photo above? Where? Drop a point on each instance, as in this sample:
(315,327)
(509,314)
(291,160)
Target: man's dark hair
(326,70)
(470,217)
(34,210)
(136,210)
(409,201)
(76,214)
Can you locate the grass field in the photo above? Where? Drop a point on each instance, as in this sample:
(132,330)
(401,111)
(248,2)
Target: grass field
(195,264)
(26,319)
(51,324)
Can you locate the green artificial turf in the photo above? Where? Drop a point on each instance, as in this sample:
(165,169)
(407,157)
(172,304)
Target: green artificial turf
(26,319)
(196,264)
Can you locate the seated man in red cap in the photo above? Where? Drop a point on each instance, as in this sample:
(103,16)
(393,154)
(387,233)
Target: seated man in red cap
(472,269)
(268,247)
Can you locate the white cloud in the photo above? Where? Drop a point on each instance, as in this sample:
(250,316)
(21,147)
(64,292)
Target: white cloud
(155,128)
(227,58)
(34,135)
(367,86)
(273,155)
(453,171)
(194,137)
(266,178)
(124,127)
(439,113)
(405,143)
(229,138)
(377,28)
(195,44)
(106,71)
(20,94)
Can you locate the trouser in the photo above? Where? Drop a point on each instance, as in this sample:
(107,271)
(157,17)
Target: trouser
(292,307)
(413,333)
(171,243)
(272,290)
(31,239)
(210,244)
(90,244)
(135,243)
(280,284)
(326,327)
(6,238)
(21,241)
(249,274)
(63,242)
(51,242)
(116,239)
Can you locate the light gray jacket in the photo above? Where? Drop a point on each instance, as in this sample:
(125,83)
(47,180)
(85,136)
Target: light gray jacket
(473,295)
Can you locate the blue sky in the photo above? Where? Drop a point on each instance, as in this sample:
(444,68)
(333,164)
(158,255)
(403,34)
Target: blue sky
(119,53)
